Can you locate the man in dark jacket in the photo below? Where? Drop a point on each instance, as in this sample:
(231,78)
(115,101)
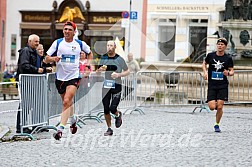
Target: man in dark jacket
(28,63)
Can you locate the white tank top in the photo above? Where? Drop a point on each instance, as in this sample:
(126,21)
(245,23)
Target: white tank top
(68,67)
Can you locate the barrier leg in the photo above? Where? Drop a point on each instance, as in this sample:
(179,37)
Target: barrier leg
(202,108)
(139,110)
(82,121)
(85,117)
(102,114)
(89,116)
(22,135)
(40,128)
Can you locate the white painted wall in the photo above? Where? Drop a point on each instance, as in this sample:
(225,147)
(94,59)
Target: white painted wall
(109,5)
(182,46)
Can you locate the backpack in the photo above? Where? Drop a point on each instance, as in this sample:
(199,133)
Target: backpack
(60,40)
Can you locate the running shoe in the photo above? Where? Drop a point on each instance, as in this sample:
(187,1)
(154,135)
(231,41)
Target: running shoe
(118,120)
(57,135)
(217,128)
(73,128)
(109,132)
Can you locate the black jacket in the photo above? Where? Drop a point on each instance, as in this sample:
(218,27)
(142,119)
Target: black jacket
(27,62)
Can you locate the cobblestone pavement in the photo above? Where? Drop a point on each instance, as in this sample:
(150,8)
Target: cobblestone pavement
(162,137)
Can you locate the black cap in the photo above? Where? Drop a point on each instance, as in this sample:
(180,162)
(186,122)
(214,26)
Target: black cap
(223,40)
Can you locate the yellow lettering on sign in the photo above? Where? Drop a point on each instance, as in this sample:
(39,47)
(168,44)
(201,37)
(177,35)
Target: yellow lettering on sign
(104,19)
(36,18)
(99,19)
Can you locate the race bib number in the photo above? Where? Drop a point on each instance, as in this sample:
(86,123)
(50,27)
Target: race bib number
(68,59)
(217,75)
(109,84)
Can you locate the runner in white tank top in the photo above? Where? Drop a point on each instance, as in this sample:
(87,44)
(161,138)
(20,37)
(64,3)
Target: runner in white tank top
(69,52)
(67,73)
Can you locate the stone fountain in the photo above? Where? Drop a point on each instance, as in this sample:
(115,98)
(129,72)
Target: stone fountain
(237,28)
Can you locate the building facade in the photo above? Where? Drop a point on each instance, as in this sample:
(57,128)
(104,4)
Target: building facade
(2,32)
(179,29)
(97,22)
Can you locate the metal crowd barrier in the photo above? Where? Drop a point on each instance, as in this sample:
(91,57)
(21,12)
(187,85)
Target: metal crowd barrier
(54,99)
(85,99)
(40,101)
(179,88)
(33,93)
(239,87)
(128,98)
(170,88)
(88,98)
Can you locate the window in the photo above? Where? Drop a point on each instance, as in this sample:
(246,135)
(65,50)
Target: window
(199,20)
(166,42)
(198,40)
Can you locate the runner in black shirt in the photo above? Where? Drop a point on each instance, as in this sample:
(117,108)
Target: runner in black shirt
(115,67)
(220,66)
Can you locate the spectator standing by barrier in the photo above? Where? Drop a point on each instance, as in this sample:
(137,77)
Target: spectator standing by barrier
(115,67)
(85,68)
(67,59)
(133,67)
(48,66)
(132,64)
(28,63)
(220,66)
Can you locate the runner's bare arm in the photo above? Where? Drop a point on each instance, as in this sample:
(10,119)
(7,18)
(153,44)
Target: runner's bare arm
(204,68)
(50,59)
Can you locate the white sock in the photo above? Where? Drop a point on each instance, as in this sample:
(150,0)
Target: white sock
(73,119)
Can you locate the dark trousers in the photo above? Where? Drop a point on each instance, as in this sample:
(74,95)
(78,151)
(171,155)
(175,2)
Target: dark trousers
(18,127)
(111,99)
(18,119)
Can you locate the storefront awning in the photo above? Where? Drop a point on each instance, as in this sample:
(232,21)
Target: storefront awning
(24,25)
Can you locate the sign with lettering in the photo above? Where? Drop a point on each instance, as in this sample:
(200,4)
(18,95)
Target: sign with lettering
(180,8)
(41,17)
(105,19)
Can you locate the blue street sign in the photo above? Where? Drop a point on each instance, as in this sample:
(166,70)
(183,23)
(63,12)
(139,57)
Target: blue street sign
(133,15)
(125,15)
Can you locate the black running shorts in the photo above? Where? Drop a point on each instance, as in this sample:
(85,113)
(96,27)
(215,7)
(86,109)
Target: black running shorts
(217,94)
(61,85)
